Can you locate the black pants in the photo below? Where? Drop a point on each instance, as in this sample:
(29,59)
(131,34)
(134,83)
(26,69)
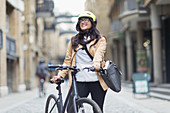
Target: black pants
(93,88)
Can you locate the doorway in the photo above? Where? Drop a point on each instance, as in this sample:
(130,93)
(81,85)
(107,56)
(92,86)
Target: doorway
(10,75)
(166,27)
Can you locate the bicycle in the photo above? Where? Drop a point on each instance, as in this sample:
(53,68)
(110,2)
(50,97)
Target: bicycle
(80,105)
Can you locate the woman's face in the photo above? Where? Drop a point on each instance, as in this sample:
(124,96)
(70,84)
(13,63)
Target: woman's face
(85,24)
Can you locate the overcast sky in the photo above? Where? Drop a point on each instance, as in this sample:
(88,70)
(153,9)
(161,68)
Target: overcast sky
(72,6)
(75,7)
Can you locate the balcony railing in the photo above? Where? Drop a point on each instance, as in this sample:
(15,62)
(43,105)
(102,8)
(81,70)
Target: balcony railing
(141,3)
(130,5)
(44,8)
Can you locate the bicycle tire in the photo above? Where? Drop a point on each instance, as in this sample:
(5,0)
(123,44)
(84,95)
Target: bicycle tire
(51,104)
(86,105)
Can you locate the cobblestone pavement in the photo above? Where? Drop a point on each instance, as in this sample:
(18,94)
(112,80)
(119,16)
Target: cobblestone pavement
(123,102)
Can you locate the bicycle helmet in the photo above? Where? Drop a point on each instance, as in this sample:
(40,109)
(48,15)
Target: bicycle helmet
(87,14)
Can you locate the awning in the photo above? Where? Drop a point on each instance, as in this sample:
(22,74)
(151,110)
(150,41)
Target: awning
(116,35)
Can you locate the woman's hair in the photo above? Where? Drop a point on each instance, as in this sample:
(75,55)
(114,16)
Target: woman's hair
(79,38)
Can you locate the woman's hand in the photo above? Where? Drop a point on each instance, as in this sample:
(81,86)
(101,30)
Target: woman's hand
(96,66)
(55,78)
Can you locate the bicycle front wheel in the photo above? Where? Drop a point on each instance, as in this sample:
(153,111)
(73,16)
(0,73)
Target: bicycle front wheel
(86,105)
(51,104)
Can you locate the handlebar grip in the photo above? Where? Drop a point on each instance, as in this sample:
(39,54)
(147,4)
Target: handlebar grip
(53,66)
(61,80)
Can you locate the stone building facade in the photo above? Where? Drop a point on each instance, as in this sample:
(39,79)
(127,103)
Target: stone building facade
(22,43)
(101,9)
(138,35)
(12,57)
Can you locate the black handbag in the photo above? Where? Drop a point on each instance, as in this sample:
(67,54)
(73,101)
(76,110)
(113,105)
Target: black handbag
(110,74)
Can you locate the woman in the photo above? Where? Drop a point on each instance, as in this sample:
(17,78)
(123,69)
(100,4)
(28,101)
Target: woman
(88,36)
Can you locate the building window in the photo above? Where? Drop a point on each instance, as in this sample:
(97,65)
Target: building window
(7,24)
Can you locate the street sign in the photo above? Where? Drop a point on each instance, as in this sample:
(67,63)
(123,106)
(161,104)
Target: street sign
(140,83)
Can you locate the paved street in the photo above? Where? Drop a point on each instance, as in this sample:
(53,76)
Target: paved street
(123,102)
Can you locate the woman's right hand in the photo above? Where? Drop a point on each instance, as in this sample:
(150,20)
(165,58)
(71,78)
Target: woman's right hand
(55,78)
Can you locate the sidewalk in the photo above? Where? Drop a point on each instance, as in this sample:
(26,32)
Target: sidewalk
(123,101)
(142,102)
(15,99)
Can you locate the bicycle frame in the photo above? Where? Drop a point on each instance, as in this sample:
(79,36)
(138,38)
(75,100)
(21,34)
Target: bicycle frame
(72,93)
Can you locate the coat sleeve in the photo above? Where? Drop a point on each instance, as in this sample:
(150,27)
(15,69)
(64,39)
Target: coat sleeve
(99,54)
(67,60)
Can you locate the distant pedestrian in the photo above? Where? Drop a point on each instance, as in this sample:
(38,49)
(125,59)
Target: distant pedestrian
(42,73)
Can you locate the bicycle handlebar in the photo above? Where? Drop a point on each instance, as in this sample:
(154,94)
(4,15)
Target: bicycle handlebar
(60,67)
(74,68)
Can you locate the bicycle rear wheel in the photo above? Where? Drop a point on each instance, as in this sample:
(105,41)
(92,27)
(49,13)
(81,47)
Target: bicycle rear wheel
(86,105)
(51,104)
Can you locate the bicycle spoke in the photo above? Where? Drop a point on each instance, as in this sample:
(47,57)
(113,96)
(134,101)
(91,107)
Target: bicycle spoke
(52,108)
(85,108)
(51,105)
(81,109)
(85,105)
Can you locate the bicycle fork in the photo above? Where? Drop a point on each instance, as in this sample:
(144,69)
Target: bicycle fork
(59,100)
(75,97)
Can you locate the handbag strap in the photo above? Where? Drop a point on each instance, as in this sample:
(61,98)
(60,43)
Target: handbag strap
(85,47)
